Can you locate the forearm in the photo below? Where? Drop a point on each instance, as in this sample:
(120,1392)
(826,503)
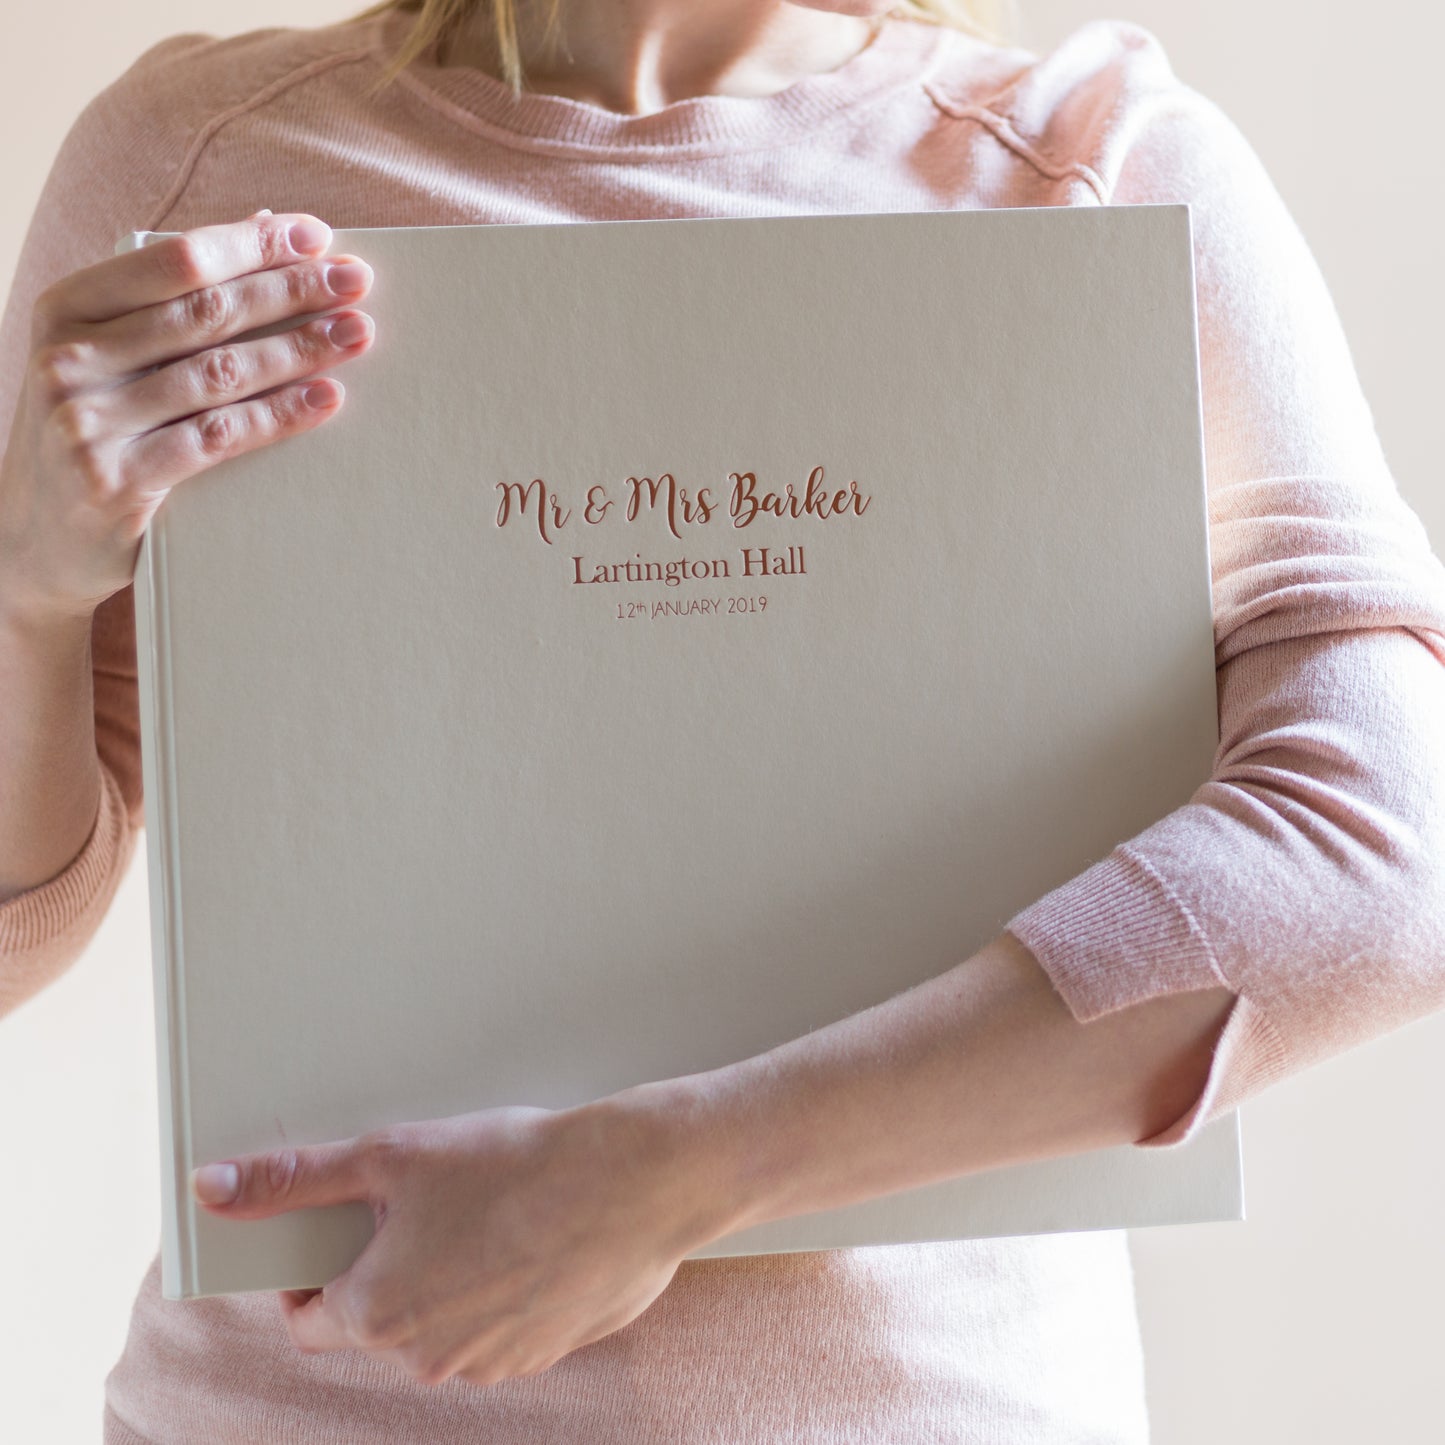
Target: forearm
(979,1067)
(49,771)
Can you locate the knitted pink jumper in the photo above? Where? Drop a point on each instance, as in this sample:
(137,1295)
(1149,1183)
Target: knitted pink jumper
(1306,875)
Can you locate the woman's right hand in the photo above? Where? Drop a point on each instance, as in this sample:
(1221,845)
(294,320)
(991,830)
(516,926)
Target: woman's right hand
(135,384)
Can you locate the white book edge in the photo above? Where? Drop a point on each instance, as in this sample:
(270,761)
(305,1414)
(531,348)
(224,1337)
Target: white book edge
(178,1263)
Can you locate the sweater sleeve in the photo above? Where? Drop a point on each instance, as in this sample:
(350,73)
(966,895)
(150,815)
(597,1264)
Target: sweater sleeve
(112,173)
(1307,874)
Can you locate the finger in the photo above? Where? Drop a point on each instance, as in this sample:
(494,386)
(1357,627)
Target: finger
(292,1299)
(233,372)
(229,373)
(140,343)
(314,1324)
(172,454)
(256,1186)
(341,1315)
(169,268)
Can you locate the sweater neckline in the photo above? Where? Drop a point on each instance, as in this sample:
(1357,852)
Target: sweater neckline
(903,52)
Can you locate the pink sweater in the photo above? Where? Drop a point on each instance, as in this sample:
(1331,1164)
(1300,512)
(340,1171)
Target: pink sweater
(1306,875)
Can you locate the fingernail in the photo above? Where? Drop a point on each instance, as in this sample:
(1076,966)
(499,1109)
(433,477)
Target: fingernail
(217,1183)
(348,277)
(309,235)
(264,211)
(350,329)
(322,394)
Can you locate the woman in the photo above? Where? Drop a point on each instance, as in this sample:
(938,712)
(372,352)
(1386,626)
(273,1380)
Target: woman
(1296,906)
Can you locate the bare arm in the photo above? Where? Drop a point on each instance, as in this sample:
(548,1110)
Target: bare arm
(978,1067)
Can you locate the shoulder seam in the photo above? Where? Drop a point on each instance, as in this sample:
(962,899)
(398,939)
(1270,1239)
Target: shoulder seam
(207,132)
(1002,128)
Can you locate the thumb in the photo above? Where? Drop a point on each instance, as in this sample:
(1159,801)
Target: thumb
(254,1186)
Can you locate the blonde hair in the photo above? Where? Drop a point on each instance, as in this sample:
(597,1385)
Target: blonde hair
(440,21)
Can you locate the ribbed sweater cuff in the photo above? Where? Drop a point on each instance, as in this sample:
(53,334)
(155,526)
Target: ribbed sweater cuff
(36,925)
(1116,935)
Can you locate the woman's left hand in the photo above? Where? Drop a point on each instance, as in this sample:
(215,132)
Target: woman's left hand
(504,1239)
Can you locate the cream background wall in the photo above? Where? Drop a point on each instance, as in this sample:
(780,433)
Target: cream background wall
(1313,1321)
